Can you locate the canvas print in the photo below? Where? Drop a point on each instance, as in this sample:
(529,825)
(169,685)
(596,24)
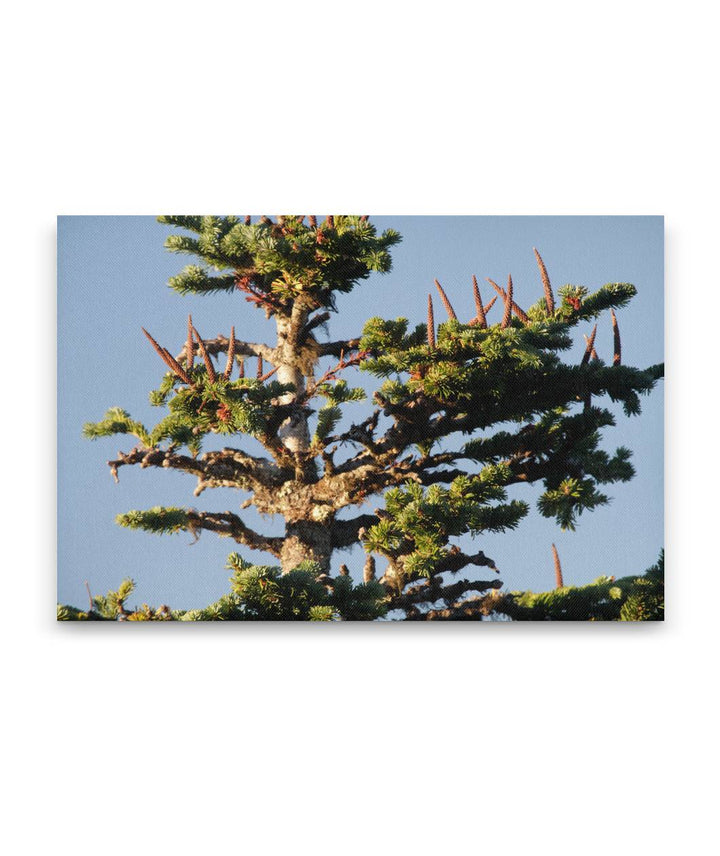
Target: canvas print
(357,418)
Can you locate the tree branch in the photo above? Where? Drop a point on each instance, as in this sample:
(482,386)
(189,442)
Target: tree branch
(434,590)
(456,560)
(246,349)
(231,526)
(345,533)
(471,609)
(312,324)
(441,477)
(228,468)
(334,349)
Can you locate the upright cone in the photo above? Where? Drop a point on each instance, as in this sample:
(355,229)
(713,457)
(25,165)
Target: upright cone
(549,298)
(430,324)
(446,303)
(558,570)
(231,355)
(507,315)
(617,355)
(479,308)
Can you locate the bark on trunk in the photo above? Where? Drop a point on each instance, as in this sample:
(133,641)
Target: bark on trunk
(306,541)
(293,433)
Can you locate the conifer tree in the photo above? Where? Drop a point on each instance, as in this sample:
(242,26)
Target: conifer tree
(457,380)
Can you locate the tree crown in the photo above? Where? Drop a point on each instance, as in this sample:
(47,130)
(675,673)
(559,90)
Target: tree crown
(529,416)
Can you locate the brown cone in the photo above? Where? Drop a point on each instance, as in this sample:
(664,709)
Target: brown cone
(507,315)
(212,377)
(168,359)
(589,347)
(617,355)
(231,355)
(558,570)
(479,308)
(549,299)
(430,324)
(446,303)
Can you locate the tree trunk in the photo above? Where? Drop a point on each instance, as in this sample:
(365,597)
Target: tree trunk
(293,433)
(306,541)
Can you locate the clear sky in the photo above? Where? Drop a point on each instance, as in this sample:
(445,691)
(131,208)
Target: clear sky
(112,279)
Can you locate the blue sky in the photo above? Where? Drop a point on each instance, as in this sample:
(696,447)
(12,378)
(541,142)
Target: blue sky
(112,279)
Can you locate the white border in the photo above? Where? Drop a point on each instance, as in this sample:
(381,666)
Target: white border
(423,740)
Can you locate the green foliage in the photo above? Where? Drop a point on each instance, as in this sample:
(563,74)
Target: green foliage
(262,593)
(336,393)
(627,599)
(257,593)
(379,334)
(286,259)
(340,393)
(417,522)
(569,499)
(328,417)
(245,405)
(614,295)
(528,416)
(116,421)
(160,520)
(194,279)
(113,603)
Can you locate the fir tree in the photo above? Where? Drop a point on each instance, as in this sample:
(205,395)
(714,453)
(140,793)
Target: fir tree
(519,414)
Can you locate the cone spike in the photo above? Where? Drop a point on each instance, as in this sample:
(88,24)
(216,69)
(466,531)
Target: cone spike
(500,291)
(589,347)
(430,324)
(267,375)
(617,351)
(168,359)
(593,352)
(231,355)
(489,306)
(446,303)
(549,298)
(558,570)
(507,315)
(479,308)
(515,308)
(189,356)
(212,377)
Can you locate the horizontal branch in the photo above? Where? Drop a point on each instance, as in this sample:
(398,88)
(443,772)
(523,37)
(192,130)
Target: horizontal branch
(155,458)
(231,526)
(456,560)
(228,468)
(441,476)
(334,349)
(312,324)
(434,590)
(345,533)
(471,609)
(247,349)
